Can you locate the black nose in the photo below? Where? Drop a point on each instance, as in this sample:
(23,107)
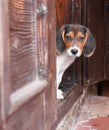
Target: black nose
(74,51)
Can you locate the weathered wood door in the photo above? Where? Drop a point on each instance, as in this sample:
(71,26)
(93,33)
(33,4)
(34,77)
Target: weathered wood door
(27,68)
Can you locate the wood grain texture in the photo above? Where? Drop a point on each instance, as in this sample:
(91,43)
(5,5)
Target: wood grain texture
(25,94)
(31,35)
(50,92)
(63,12)
(28,117)
(22,42)
(65,105)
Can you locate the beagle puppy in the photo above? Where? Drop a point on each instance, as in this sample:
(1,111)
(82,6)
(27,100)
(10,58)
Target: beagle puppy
(72,41)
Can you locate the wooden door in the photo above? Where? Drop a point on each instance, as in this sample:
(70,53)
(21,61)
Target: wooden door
(27,68)
(93,68)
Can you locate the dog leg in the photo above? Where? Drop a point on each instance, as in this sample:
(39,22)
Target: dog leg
(59,92)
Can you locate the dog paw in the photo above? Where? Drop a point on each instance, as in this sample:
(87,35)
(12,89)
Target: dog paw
(59,94)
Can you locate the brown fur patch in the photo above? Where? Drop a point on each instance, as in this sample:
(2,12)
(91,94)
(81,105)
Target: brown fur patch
(76,37)
(69,43)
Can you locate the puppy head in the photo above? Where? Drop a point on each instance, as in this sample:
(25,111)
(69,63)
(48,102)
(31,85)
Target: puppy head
(76,39)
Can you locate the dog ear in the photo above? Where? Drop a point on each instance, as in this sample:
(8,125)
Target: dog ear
(90,44)
(65,29)
(59,42)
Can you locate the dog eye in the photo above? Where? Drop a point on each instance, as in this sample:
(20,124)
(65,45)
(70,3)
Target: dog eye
(68,38)
(80,39)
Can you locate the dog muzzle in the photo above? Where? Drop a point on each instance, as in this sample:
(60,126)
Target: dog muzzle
(74,51)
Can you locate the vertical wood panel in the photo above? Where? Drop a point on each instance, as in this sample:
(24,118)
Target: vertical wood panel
(28,117)
(4,60)
(22,43)
(94,20)
(29,57)
(106,37)
(42,38)
(50,92)
(29,42)
(76,18)
(63,12)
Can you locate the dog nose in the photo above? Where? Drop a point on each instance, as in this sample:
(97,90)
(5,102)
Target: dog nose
(74,51)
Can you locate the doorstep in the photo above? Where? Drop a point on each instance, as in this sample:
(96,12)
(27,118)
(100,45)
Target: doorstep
(94,114)
(99,123)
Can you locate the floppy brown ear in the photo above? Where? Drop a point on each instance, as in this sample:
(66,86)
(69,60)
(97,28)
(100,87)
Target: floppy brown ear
(90,44)
(59,42)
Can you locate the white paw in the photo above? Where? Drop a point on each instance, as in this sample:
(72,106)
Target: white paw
(59,94)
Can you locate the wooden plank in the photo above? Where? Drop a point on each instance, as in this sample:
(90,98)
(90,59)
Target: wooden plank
(25,94)
(29,49)
(66,104)
(29,117)
(4,59)
(63,12)
(50,93)
(22,43)
(29,108)
(106,37)
(94,66)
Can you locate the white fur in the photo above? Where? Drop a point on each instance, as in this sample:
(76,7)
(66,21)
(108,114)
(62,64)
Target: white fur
(74,47)
(63,62)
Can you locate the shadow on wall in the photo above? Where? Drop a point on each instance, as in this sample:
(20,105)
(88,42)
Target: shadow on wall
(101,89)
